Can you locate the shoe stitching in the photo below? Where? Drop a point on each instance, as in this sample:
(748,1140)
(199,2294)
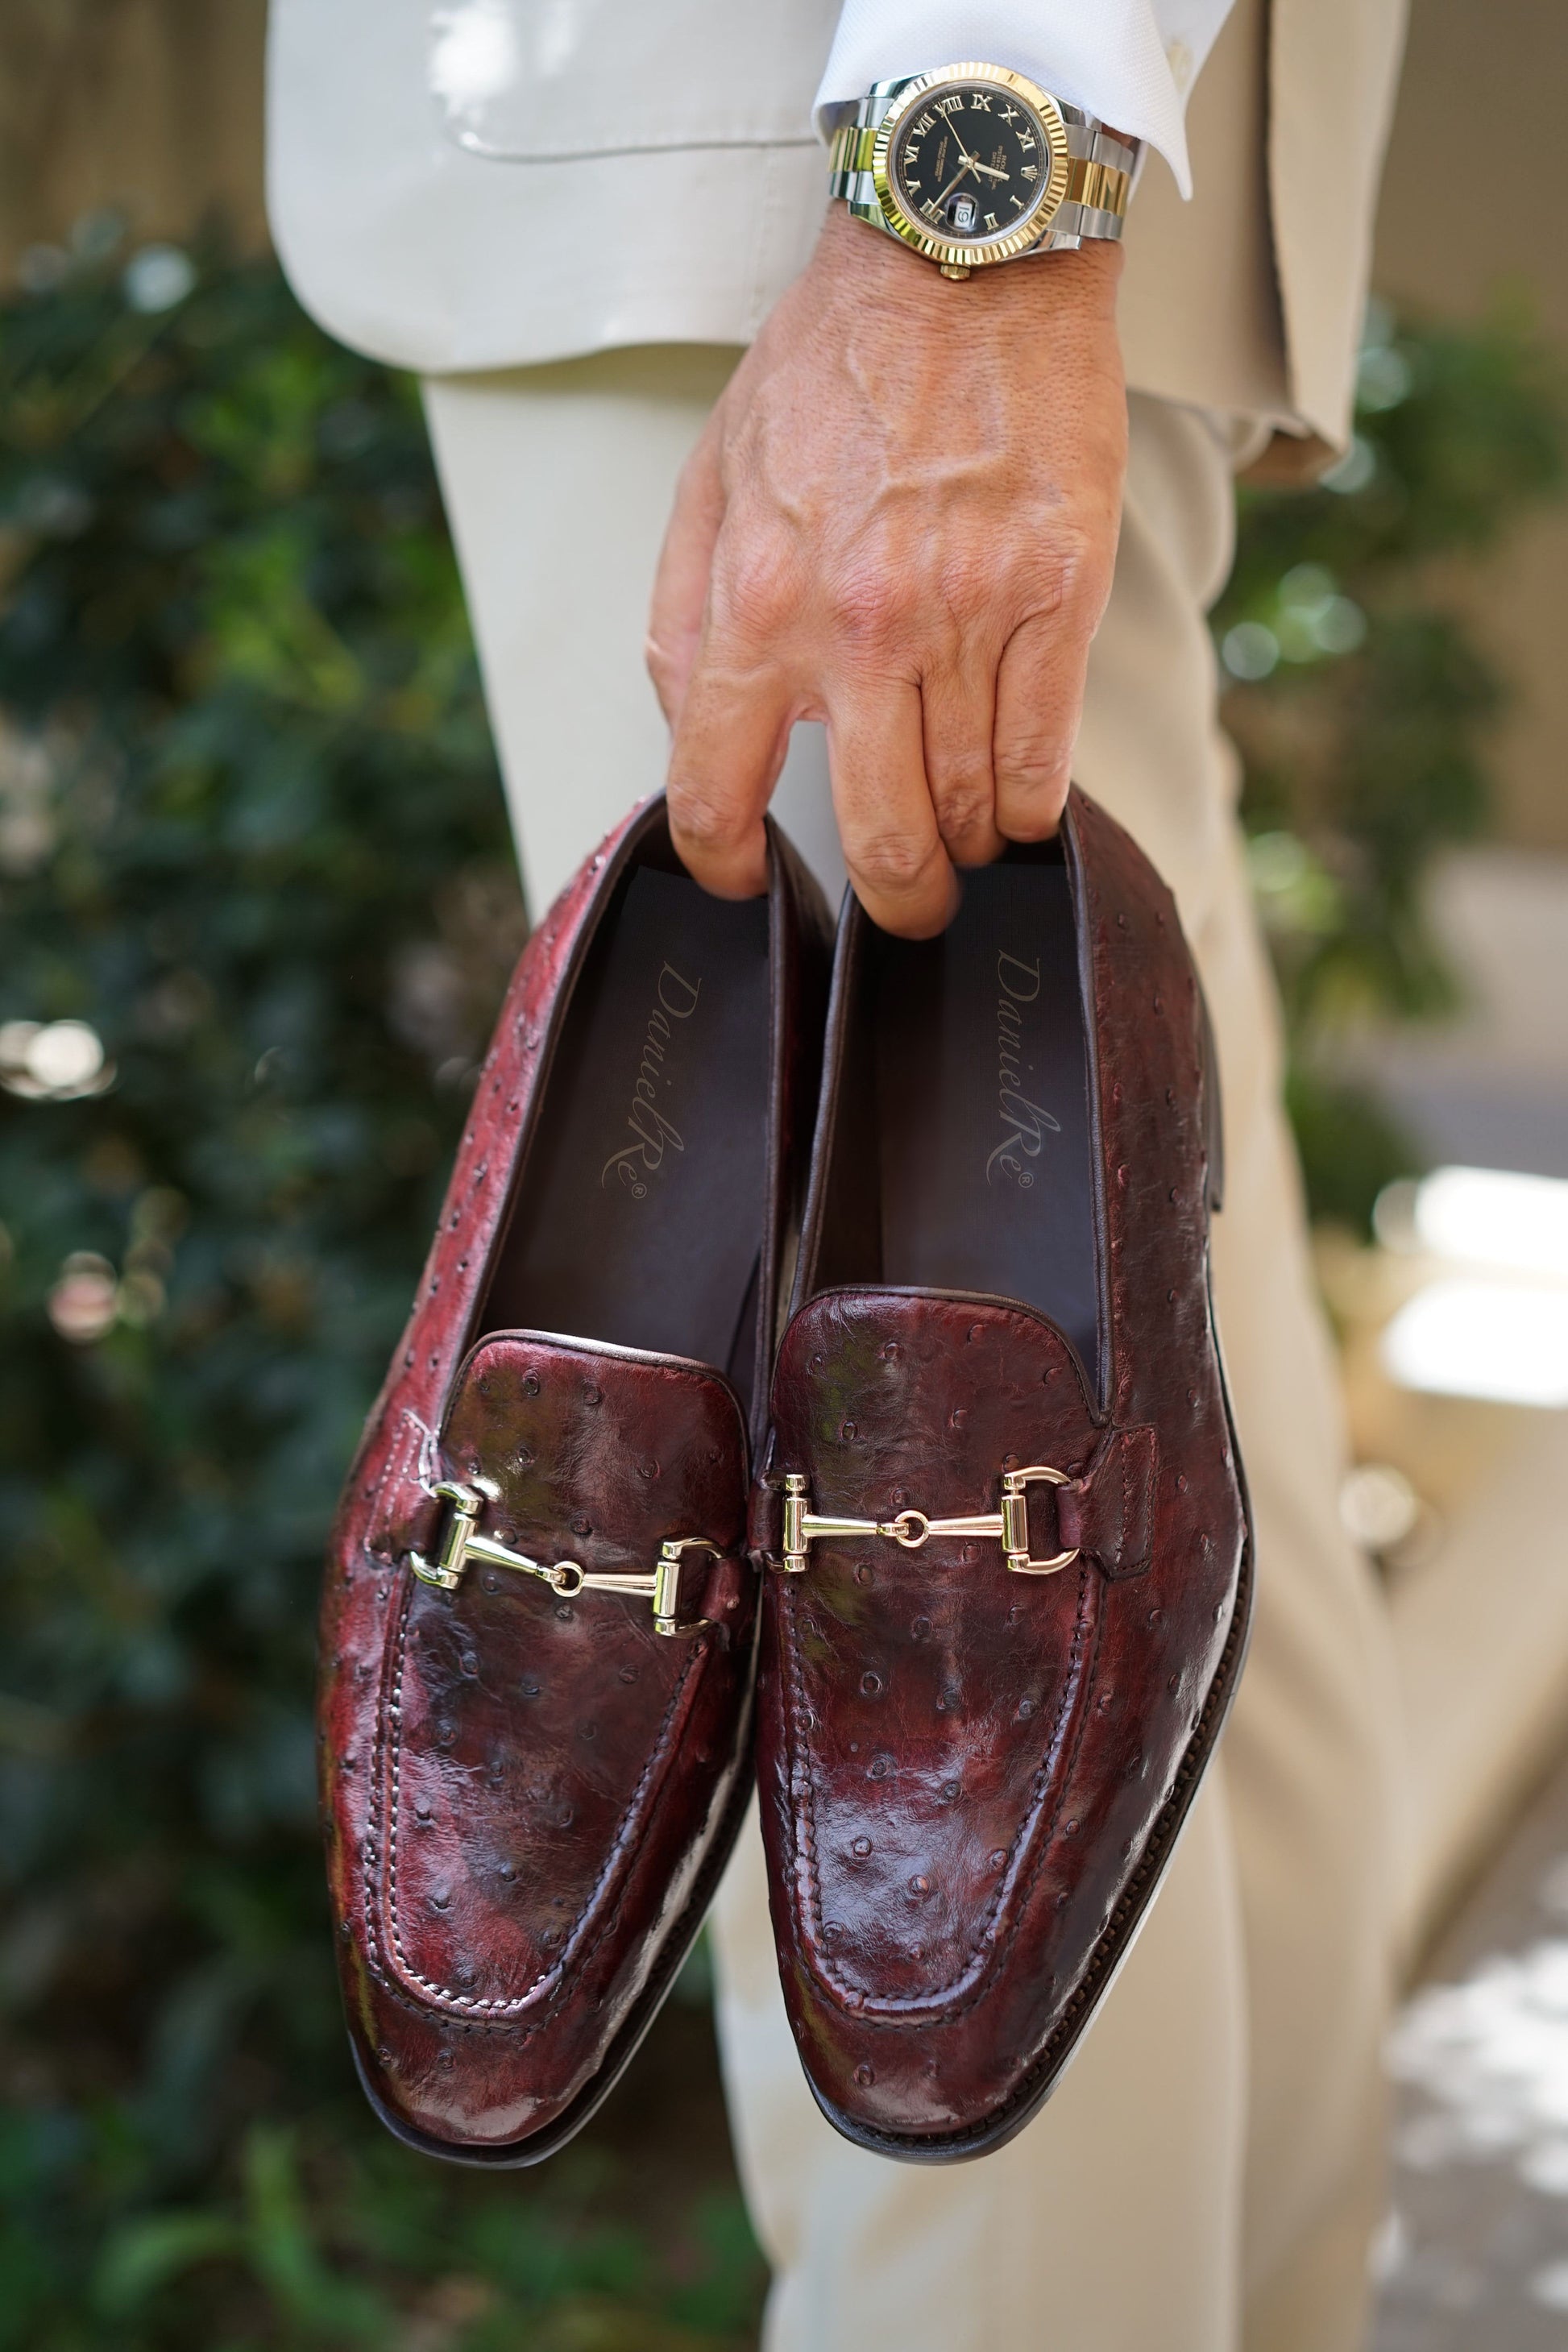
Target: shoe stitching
(512,1062)
(410,1458)
(1137,1507)
(497,2007)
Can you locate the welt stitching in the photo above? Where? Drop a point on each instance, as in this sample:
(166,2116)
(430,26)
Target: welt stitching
(512,1062)
(373,1793)
(1146,1506)
(403,1462)
(509,2005)
(388,1984)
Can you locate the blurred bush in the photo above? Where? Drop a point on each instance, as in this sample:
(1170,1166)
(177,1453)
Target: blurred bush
(1361,702)
(256,910)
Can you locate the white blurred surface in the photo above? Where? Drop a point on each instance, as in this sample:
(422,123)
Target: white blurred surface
(1505,1342)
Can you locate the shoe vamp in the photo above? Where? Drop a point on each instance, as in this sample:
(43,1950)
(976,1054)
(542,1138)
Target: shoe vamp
(934,1704)
(528,1733)
(930,1698)
(531,1734)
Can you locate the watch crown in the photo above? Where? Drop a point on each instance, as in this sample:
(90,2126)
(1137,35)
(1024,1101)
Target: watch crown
(955,268)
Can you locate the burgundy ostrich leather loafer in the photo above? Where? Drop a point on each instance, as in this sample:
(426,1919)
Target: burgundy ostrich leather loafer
(538,1627)
(1001,1510)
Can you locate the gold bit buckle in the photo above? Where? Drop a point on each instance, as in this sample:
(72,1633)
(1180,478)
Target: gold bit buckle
(1009,1526)
(462,1542)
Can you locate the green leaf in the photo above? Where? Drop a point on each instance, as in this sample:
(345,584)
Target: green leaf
(143,2256)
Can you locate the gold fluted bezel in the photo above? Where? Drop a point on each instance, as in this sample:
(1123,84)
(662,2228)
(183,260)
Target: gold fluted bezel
(1003,245)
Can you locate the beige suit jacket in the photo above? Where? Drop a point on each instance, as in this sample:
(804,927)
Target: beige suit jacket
(653,178)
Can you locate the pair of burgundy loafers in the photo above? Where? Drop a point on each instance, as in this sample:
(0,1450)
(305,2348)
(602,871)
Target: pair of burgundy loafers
(958,1571)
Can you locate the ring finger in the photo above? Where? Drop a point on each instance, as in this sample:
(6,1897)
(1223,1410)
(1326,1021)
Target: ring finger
(958,716)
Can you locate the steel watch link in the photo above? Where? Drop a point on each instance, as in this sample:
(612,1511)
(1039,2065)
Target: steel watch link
(974,164)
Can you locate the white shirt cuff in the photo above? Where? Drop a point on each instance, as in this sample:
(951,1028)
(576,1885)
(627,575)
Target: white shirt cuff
(1130,62)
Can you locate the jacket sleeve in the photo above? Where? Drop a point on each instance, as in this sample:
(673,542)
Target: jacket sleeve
(1130,62)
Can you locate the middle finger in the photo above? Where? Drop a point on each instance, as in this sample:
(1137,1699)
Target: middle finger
(901,872)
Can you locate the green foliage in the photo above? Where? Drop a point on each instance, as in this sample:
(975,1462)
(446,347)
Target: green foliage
(251,836)
(1361,702)
(251,840)
(346,2253)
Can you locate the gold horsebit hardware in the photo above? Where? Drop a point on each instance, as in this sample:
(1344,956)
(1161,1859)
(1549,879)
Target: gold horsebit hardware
(463,1542)
(1009,1526)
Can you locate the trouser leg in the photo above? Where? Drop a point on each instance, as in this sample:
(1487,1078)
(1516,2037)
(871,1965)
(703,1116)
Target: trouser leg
(1311,1755)
(1118,2219)
(1305,1763)
(1111,2223)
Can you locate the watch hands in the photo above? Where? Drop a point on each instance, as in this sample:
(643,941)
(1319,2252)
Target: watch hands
(970,163)
(953,184)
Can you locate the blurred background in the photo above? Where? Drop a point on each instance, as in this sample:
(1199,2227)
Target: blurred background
(255,912)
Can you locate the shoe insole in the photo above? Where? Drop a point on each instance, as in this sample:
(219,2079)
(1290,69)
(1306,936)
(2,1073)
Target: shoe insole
(982,1080)
(643,1197)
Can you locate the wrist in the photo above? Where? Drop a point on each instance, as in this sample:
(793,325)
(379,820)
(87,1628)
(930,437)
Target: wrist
(880,270)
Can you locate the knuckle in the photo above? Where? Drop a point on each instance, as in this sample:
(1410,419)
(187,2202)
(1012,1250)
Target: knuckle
(863,609)
(704,820)
(1032,782)
(1073,583)
(963,814)
(756,596)
(1030,762)
(896,865)
(964,794)
(1057,561)
(975,587)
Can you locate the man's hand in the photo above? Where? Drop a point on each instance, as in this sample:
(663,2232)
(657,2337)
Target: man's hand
(900,518)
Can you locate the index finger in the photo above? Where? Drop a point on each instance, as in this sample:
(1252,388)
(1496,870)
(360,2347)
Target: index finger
(730,744)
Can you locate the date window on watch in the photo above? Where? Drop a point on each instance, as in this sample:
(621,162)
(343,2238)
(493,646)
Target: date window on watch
(963,214)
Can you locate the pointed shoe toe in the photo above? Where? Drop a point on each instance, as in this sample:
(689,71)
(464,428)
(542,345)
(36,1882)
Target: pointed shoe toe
(1000,1515)
(539,1628)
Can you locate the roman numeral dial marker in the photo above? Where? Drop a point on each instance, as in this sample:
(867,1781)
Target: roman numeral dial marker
(981,178)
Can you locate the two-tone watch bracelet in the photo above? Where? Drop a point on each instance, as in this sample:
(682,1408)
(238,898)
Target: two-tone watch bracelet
(1100,166)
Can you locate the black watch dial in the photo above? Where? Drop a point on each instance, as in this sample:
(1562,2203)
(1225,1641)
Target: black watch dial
(972,162)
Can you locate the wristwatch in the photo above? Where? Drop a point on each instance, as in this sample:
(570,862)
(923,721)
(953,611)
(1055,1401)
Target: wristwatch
(974,164)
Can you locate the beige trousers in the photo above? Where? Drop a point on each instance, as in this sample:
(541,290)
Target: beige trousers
(1208,2175)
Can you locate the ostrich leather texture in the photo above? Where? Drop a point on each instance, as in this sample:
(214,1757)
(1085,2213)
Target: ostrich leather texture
(528,1792)
(973,1779)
